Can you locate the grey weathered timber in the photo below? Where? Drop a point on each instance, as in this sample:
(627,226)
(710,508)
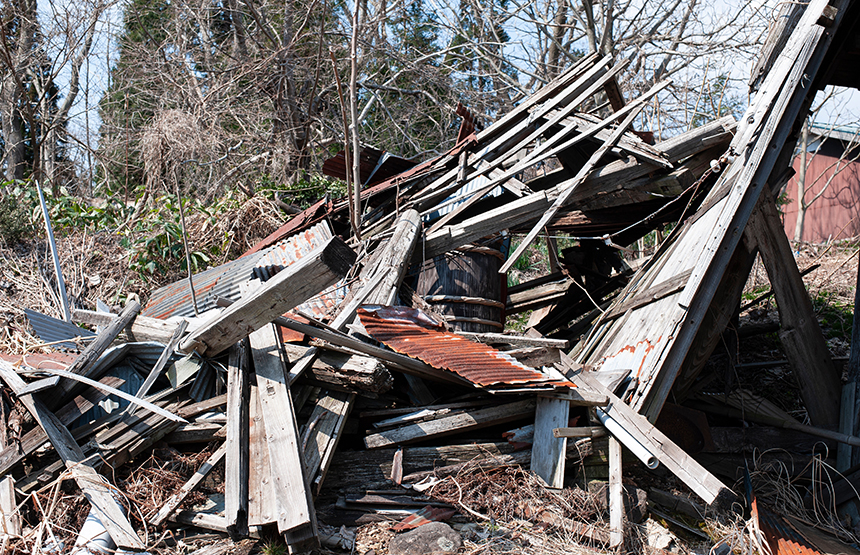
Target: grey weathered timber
(177,498)
(319,269)
(549,451)
(92,484)
(141,328)
(447,425)
(236,462)
(800,333)
(341,371)
(91,354)
(616,494)
(10,519)
(160,363)
(656,338)
(580,431)
(40,385)
(294,508)
(261,494)
(854,364)
(381,279)
(531,207)
(324,430)
(570,186)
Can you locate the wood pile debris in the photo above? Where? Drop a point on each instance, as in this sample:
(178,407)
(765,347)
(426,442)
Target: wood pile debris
(321,382)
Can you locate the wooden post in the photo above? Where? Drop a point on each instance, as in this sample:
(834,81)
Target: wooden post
(616,495)
(293,285)
(9,517)
(854,362)
(294,507)
(236,465)
(801,335)
(549,452)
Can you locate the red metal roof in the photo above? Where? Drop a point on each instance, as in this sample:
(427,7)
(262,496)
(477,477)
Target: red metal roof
(411,332)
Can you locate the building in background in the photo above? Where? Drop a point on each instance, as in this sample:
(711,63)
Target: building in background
(831,184)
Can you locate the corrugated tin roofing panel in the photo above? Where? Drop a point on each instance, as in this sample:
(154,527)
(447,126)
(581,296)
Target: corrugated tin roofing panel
(411,332)
(227,279)
(53,330)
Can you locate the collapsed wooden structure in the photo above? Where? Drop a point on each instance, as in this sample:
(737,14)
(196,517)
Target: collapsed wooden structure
(300,331)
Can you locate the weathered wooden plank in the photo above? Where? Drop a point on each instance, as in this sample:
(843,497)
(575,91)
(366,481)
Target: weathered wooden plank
(261,494)
(40,385)
(616,495)
(141,328)
(801,335)
(319,269)
(236,465)
(177,498)
(10,519)
(324,430)
(91,354)
(549,451)
(570,186)
(448,425)
(294,506)
(97,492)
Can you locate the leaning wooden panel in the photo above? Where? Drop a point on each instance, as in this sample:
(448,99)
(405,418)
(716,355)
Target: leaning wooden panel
(291,493)
(654,340)
(290,287)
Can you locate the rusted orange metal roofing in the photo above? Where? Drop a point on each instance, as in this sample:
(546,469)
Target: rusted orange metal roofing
(411,332)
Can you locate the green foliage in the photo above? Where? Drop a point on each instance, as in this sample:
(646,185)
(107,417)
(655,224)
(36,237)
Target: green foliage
(303,192)
(835,316)
(156,239)
(15,215)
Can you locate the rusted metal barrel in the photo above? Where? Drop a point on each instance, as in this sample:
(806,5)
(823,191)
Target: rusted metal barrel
(466,288)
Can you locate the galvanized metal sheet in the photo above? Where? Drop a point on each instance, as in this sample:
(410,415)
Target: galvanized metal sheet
(53,330)
(226,280)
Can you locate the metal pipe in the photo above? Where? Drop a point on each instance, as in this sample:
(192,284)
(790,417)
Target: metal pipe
(630,442)
(61,285)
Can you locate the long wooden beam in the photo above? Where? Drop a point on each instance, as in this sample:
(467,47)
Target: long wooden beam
(293,285)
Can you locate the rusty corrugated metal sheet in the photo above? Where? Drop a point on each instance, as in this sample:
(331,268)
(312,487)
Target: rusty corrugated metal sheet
(780,536)
(227,279)
(375,165)
(411,332)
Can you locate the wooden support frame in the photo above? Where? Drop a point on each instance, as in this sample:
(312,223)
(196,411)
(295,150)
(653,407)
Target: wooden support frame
(805,347)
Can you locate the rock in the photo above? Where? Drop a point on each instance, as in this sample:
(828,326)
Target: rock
(435,538)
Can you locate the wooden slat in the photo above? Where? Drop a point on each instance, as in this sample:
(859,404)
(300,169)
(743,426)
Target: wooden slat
(10,519)
(261,494)
(293,285)
(565,194)
(616,495)
(467,420)
(324,430)
(548,451)
(294,507)
(91,354)
(160,363)
(142,328)
(236,465)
